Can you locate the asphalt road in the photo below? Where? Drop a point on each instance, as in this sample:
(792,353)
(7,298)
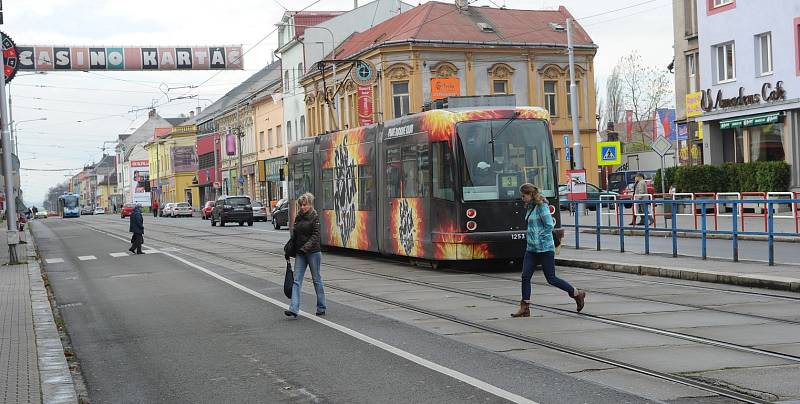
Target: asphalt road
(173,327)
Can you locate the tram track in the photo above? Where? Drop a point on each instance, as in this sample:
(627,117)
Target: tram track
(733,393)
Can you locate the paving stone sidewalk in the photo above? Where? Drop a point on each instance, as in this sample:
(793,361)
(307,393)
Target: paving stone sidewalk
(742,273)
(33,368)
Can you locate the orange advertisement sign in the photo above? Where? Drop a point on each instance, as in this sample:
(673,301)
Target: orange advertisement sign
(443,88)
(365,105)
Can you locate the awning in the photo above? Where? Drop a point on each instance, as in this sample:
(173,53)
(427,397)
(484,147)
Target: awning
(753,120)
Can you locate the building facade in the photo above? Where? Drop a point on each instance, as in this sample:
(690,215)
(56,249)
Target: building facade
(473,56)
(687,80)
(174,156)
(271,144)
(750,81)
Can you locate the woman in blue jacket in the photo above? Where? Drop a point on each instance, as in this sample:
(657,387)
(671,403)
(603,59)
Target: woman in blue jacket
(541,250)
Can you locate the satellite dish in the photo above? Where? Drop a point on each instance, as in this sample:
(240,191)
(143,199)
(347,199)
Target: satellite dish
(462,5)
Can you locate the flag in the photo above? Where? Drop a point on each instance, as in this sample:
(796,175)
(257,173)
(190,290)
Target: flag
(666,116)
(629,124)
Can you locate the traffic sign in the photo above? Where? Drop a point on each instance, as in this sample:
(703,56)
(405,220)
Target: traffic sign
(661,146)
(608,153)
(568,156)
(566,140)
(10,57)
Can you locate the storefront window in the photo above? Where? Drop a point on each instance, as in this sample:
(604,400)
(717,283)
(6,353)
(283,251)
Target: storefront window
(733,145)
(766,143)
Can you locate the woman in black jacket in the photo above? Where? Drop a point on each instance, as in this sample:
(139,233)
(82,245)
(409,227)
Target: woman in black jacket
(305,237)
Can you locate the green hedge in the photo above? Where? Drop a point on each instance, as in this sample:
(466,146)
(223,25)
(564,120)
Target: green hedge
(760,176)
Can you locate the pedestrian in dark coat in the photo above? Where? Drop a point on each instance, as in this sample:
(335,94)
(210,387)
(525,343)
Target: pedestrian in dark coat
(137,228)
(306,244)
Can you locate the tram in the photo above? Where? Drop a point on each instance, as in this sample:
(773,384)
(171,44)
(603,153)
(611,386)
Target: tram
(440,185)
(69,205)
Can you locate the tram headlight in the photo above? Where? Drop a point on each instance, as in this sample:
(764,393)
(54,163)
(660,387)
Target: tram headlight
(471,225)
(471,213)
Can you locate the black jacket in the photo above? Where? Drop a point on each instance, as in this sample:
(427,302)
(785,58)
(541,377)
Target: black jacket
(306,233)
(137,222)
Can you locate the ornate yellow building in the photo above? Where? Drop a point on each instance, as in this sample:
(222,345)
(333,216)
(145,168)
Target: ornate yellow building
(438,50)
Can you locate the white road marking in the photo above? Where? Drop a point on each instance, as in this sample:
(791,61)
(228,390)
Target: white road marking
(87,257)
(117,255)
(151,251)
(489,388)
(54,260)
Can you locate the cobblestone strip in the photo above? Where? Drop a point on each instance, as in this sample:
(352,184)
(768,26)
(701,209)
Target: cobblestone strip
(19,376)
(56,381)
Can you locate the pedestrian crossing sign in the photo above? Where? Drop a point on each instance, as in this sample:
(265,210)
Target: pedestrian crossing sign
(608,154)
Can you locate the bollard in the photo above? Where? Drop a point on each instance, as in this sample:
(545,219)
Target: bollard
(735,235)
(577,228)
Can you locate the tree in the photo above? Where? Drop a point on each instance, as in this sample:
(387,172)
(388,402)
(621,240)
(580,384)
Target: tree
(614,108)
(51,198)
(644,89)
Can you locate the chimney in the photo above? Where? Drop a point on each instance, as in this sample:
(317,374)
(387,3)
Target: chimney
(355,4)
(191,114)
(152,113)
(197,111)
(462,5)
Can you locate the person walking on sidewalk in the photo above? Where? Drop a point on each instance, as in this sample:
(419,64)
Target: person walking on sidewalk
(137,228)
(641,189)
(154,207)
(306,244)
(540,250)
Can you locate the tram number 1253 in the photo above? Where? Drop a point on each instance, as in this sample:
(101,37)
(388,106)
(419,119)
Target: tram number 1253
(518,236)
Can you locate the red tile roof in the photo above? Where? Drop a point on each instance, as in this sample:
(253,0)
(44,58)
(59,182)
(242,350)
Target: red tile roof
(161,132)
(310,18)
(437,21)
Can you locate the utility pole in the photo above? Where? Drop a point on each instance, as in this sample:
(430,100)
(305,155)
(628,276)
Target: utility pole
(11,203)
(239,135)
(216,172)
(577,152)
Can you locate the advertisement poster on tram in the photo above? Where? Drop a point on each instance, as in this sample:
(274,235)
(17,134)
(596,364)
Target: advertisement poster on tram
(140,182)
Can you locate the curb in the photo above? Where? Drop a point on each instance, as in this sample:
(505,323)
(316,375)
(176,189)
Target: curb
(55,378)
(681,234)
(728,278)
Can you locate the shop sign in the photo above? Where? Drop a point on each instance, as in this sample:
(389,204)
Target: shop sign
(446,87)
(755,120)
(365,105)
(768,94)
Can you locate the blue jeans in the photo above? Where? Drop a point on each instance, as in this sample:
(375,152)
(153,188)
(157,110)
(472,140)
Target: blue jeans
(548,262)
(300,263)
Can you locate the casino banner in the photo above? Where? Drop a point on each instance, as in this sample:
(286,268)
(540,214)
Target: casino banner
(36,57)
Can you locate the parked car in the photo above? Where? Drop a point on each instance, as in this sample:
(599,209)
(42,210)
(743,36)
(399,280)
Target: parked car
(593,193)
(280,215)
(87,210)
(259,212)
(181,209)
(42,214)
(205,212)
(232,208)
(127,210)
(99,210)
(167,209)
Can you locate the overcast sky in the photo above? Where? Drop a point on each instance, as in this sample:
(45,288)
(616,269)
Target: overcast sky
(85,109)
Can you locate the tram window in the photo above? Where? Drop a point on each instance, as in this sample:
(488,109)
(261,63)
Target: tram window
(366,187)
(302,178)
(409,185)
(442,179)
(423,164)
(327,188)
(393,172)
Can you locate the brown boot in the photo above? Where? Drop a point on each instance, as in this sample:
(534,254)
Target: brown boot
(524,310)
(580,297)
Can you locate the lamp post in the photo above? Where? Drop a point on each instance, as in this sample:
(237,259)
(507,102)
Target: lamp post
(14,125)
(216,171)
(333,49)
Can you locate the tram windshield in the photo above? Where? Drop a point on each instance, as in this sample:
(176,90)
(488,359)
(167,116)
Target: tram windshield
(495,160)
(71,201)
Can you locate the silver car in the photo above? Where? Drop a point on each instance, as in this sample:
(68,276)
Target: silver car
(259,212)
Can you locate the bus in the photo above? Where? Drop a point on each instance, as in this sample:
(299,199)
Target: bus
(69,205)
(436,186)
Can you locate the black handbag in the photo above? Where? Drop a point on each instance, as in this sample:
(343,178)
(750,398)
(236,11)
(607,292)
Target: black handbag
(289,249)
(288,280)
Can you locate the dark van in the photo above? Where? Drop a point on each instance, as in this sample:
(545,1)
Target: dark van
(232,208)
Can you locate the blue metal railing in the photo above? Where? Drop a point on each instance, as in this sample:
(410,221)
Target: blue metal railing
(648,209)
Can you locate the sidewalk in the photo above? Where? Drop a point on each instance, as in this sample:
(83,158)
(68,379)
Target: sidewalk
(34,368)
(742,273)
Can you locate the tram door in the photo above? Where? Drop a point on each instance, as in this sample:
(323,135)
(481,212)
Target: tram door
(303,174)
(406,196)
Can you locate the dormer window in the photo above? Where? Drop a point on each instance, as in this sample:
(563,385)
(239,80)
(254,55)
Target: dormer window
(485,27)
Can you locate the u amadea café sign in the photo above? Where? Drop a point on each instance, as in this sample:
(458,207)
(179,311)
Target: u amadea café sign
(768,94)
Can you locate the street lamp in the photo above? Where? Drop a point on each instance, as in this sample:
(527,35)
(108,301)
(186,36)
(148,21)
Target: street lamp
(14,125)
(333,49)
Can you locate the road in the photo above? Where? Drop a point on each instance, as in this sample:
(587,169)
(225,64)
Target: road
(200,319)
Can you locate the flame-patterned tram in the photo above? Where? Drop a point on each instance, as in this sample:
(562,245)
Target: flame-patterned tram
(440,185)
